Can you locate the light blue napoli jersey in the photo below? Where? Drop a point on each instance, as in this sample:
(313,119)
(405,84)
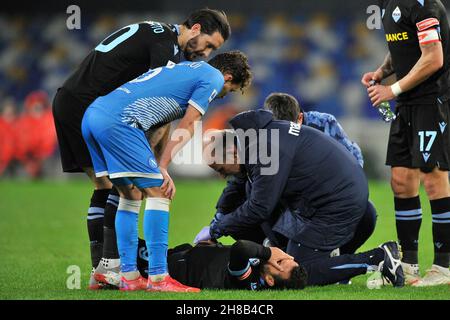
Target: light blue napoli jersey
(162,95)
(328,124)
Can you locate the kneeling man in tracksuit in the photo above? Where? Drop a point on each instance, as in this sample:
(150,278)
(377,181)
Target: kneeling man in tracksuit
(321,186)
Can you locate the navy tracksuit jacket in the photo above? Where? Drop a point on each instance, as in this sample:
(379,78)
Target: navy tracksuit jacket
(320,183)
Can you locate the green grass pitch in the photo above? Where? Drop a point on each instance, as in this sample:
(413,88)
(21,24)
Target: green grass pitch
(43,232)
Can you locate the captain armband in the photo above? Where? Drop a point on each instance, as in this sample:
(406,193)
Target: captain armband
(428,31)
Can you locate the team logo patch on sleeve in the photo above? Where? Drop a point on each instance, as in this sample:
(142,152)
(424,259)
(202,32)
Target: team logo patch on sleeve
(427,23)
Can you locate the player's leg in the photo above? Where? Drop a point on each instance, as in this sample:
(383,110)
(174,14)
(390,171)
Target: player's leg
(431,153)
(323,269)
(127,218)
(156,234)
(98,200)
(107,271)
(364,230)
(384,261)
(110,263)
(109,266)
(176,260)
(126,153)
(405,181)
(331,270)
(408,218)
(68,114)
(437,187)
(95,218)
(132,167)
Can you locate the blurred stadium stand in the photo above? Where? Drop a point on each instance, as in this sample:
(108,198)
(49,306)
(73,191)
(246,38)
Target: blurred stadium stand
(318,54)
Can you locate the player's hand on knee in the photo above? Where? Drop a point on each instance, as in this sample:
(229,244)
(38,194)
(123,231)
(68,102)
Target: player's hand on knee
(278,255)
(168,186)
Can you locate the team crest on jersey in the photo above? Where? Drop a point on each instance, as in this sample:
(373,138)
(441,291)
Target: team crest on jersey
(254,261)
(397,14)
(152,163)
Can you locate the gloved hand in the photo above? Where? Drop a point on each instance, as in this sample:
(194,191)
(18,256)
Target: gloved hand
(203,235)
(213,229)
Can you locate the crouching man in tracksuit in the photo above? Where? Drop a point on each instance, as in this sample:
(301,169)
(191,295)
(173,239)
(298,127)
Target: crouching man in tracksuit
(321,186)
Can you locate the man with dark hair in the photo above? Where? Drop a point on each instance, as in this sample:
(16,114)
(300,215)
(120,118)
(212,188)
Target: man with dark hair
(121,57)
(211,21)
(286,107)
(321,186)
(418,35)
(114,129)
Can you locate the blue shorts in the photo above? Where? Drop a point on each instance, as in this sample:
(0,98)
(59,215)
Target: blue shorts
(119,151)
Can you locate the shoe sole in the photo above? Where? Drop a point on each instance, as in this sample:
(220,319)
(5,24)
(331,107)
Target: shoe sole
(126,290)
(96,287)
(100,277)
(174,291)
(420,284)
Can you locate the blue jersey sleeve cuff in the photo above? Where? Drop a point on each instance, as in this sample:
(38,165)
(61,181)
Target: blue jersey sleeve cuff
(197,106)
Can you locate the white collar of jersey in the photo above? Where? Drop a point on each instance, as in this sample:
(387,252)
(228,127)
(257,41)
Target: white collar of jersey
(262,282)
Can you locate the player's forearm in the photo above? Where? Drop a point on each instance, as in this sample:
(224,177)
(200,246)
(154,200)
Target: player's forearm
(430,62)
(175,144)
(244,217)
(158,140)
(162,144)
(386,69)
(182,134)
(243,250)
(233,196)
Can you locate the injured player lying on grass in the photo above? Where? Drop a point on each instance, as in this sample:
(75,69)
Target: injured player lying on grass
(211,265)
(248,265)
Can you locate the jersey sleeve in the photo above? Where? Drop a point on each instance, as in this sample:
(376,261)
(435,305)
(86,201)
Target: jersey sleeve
(262,200)
(210,84)
(233,195)
(425,15)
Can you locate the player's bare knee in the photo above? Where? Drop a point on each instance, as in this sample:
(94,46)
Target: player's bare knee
(129,192)
(99,182)
(436,184)
(154,192)
(90,173)
(404,183)
(103,183)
